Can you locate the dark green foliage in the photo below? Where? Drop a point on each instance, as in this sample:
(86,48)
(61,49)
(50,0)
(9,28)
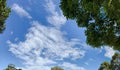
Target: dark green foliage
(4,13)
(72,6)
(115,62)
(11,67)
(105,66)
(101,18)
(56,68)
(113,65)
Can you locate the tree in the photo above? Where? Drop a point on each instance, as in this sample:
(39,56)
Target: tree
(11,67)
(105,66)
(56,68)
(4,13)
(115,62)
(101,18)
(113,65)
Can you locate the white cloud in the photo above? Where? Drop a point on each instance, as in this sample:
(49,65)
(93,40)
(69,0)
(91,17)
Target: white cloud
(43,45)
(20,11)
(69,66)
(109,52)
(54,18)
(37,68)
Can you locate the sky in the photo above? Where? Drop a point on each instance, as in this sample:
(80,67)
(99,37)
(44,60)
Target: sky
(38,36)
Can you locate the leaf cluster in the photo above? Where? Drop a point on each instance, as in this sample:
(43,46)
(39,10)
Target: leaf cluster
(113,65)
(56,68)
(11,67)
(4,13)
(101,18)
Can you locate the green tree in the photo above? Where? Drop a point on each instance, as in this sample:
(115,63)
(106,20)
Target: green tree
(56,68)
(4,13)
(115,62)
(11,67)
(101,18)
(113,65)
(105,66)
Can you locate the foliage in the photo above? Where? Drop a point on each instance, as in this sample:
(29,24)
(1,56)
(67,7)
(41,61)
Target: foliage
(12,67)
(104,66)
(56,68)
(113,65)
(4,13)
(101,18)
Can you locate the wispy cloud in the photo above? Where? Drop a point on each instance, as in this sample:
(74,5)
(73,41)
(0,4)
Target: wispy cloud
(109,52)
(20,11)
(48,41)
(55,18)
(86,63)
(70,66)
(43,45)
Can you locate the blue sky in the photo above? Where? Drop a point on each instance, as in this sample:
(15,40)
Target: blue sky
(38,37)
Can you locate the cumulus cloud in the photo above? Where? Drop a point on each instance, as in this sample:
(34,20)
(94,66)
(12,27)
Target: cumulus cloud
(109,52)
(70,66)
(54,18)
(44,45)
(20,11)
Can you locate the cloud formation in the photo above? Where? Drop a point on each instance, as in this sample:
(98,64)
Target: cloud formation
(55,18)
(47,41)
(109,52)
(20,11)
(44,45)
(70,66)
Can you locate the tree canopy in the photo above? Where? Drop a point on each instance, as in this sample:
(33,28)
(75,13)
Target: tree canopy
(4,13)
(101,18)
(11,67)
(56,68)
(113,65)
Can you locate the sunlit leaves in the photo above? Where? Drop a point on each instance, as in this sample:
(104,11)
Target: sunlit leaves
(105,66)
(56,68)
(11,67)
(113,65)
(4,13)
